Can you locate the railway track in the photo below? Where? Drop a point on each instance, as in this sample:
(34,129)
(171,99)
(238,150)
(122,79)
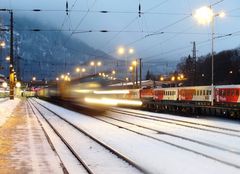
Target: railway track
(114,123)
(94,143)
(193,125)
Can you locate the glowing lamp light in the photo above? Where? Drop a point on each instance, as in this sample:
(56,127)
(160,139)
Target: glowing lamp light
(173,78)
(34,78)
(83,70)
(4,85)
(121,51)
(131,51)
(161,78)
(92,63)
(99,64)
(2,44)
(18,84)
(204,15)
(8,58)
(222,14)
(78,69)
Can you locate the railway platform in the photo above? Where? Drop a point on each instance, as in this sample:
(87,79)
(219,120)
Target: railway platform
(24,147)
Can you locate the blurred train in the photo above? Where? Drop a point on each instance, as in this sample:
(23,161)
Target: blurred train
(90,92)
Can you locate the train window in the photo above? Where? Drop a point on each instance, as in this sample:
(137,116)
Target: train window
(197,92)
(209,92)
(200,92)
(232,92)
(204,92)
(228,92)
(237,92)
(224,92)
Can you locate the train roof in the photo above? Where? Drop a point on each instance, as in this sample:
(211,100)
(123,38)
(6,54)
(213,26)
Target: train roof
(228,86)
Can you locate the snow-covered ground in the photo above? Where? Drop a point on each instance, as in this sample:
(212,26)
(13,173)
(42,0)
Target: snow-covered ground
(6,109)
(167,155)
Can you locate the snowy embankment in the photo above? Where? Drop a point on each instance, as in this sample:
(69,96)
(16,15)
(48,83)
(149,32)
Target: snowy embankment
(153,155)
(6,109)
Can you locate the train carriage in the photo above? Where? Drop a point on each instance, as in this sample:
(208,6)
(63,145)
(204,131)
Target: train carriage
(201,95)
(227,95)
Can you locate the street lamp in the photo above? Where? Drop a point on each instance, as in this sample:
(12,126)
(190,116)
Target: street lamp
(8,58)
(122,51)
(205,16)
(2,44)
(34,78)
(95,64)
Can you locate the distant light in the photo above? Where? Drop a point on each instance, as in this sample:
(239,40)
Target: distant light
(113,72)
(4,85)
(230,72)
(8,58)
(100,101)
(134,63)
(34,78)
(68,73)
(204,15)
(203,75)
(83,70)
(78,69)
(121,51)
(62,76)
(161,78)
(222,14)
(100,74)
(92,63)
(57,79)
(127,79)
(18,84)
(173,78)
(2,44)
(181,76)
(131,51)
(131,68)
(99,63)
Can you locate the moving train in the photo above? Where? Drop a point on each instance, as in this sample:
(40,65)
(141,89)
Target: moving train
(90,92)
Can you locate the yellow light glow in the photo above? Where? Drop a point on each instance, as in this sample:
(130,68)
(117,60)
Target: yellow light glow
(112,92)
(83,70)
(83,91)
(100,101)
(173,78)
(62,76)
(131,68)
(222,14)
(161,78)
(99,64)
(182,76)
(134,63)
(2,44)
(121,51)
(204,15)
(127,79)
(92,63)
(78,69)
(34,78)
(113,72)
(113,102)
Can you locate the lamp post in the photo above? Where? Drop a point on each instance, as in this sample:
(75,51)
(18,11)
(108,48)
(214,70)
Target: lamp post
(204,16)
(95,65)
(122,51)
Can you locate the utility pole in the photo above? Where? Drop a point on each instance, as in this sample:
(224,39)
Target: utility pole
(11,69)
(140,72)
(136,73)
(195,61)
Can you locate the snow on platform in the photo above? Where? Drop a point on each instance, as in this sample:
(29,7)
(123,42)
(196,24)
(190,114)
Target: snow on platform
(23,145)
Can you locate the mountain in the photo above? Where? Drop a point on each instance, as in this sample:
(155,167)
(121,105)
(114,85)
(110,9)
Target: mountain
(46,54)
